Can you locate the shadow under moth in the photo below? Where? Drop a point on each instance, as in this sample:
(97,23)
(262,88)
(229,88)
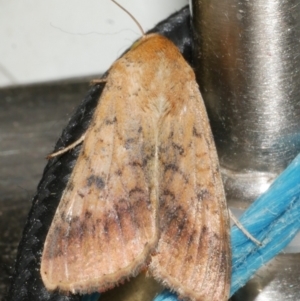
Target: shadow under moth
(146,190)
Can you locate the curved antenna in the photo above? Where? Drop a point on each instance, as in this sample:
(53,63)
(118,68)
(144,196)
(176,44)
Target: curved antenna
(130,15)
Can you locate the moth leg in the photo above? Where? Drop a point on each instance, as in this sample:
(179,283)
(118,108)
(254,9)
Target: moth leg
(243,229)
(98,81)
(64,150)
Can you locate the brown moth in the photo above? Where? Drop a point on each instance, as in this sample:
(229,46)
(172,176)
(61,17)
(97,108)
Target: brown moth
(146,189)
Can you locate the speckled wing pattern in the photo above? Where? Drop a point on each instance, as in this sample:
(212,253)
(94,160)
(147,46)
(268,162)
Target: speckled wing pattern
(193,255)
(105,224)
(145,189)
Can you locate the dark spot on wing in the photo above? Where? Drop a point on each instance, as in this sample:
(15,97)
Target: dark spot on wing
(63,216)
(181,225)
(122,206)
(88,214)
(95,180)
(203,194)
(80,194)
(204,230)
(179,148)
(92,230)
(135,164)
(70,186)
(75,219)
(196,134)
(84,155)
(146,160)
(174,168)
(78,229)
(106,228)
(135,190)
(216,236)
(224,261)
(97,129)
(129,142)
(169,193)
(111,121)
(191,238)
(119,172)
(167,197)
(171,167)
(175,215)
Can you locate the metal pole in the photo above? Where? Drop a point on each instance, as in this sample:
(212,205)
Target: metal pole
(247,56)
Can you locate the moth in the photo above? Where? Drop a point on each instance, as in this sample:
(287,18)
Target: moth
(146,190)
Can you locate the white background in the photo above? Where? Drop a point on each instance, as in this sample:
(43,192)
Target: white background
(46,40)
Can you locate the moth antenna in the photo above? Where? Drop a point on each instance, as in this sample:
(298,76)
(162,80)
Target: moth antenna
(131,16)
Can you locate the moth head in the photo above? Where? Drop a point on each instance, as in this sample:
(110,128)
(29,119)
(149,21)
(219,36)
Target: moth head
(143,39)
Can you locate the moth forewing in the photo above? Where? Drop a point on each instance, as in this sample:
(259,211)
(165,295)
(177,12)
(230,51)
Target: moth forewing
(106,223)
(146,187)
(193,253)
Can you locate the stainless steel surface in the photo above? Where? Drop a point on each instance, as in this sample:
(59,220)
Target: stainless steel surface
(31,120)
(249,74)
(248,68)
(276,281)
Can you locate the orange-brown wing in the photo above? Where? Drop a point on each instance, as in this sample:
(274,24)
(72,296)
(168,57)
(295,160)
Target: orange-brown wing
(193,255)
(105,224)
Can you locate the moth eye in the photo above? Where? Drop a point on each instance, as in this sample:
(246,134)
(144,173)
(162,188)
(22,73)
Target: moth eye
(139,42)
(135,44)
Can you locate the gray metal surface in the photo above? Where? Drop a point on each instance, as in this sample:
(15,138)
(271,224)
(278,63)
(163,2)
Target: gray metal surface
(248,69)
(31,120)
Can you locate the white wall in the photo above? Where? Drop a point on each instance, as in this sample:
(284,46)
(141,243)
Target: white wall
(46,40)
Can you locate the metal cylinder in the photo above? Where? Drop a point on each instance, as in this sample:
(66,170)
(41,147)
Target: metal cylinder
(248,68)
(247,56)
